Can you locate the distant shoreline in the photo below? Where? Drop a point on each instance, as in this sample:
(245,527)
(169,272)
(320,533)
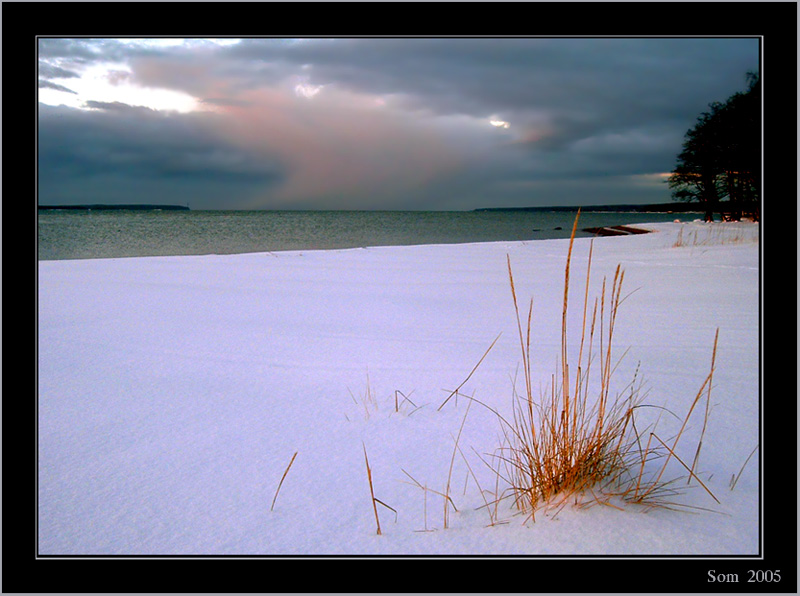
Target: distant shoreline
(103,207)
(650,208)
(627,208)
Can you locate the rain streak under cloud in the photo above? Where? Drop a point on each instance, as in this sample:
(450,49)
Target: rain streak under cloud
(373,123)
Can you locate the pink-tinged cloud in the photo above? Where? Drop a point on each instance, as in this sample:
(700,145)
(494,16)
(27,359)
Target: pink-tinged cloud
(337,145)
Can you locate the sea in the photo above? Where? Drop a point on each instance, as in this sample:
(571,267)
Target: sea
(101,233)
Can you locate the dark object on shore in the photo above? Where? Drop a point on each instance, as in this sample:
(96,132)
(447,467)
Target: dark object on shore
(102,207)
(616,231)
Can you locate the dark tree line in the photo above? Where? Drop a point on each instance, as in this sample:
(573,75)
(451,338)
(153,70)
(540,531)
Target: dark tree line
(720,164)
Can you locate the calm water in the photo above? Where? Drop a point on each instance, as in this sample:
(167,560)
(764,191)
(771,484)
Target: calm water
(106,234)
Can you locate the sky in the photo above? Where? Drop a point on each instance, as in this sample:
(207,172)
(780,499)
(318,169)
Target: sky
(373,123)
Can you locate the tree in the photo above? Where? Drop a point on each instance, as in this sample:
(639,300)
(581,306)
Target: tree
(741,117)
(720,164)
(698,173)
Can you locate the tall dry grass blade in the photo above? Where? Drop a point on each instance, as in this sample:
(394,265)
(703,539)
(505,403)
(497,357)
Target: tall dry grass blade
(708,405)
(735,480)
(427,488)
(675,455)
(492,520)
(524,341)
(456,390)
(371,490)
(524,345)
(564,364)
(579,376)
(447,499)
(671,451)
(642,459)
(285,472)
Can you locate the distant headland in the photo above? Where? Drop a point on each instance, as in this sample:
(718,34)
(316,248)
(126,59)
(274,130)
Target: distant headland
(629,208)
(103,207)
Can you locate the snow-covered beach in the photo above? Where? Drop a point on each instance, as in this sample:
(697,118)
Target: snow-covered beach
(173,393)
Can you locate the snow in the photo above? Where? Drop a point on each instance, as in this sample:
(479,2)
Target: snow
(174,391)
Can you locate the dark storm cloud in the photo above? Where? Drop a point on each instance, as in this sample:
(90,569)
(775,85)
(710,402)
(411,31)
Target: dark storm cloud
(119,153)
(50,85)
(51,71)
(479,76)
(609,110)
(576,81)
(89,50)
(582,107)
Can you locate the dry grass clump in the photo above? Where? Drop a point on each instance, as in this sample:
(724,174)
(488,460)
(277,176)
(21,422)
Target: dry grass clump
(578,442)
(715,234)
(368,402)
